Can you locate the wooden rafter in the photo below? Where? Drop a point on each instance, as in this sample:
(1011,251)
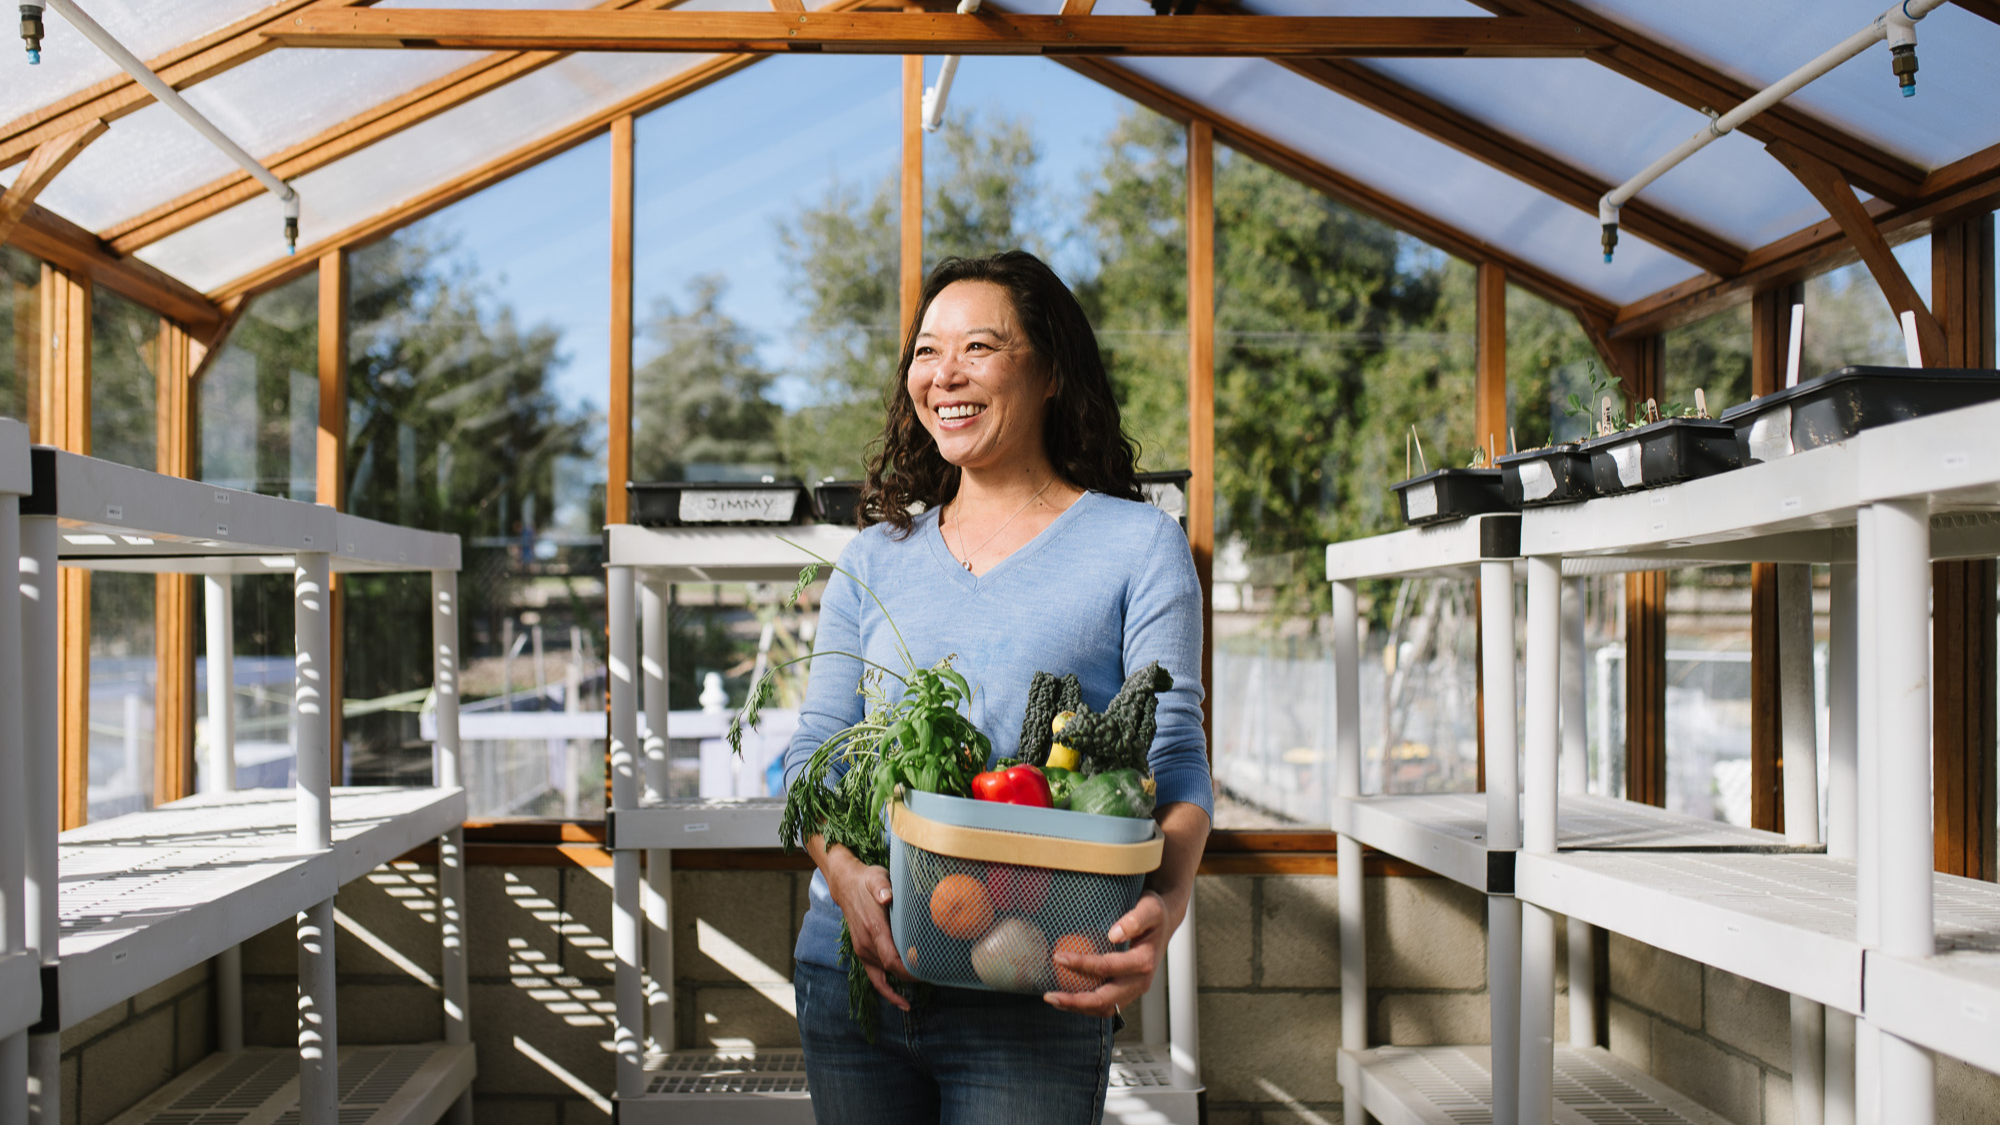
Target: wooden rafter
(49,159)
(934,33)
(1535,167)
(58,241)
(185,65)
(1985,9)
(1078,7)
(1342,187)
(1681,77)
(377,123)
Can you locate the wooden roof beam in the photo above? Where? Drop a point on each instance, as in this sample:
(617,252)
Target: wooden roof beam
(1699,86)
(1524,162)
(375,124)
(184,66)
(1352,192)
(1985,9)
(56,240)
(49,159)
(987,33)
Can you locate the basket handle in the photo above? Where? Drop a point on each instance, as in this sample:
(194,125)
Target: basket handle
(1025,849)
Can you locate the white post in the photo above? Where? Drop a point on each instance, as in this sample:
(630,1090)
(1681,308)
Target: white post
(229,999)
(446,666)
(1153,1014)
(1503,831)
(1839,1105)
(626,925)
(319,1032)
(1796,706)
(455,970)
(1843,688)
(1575,778)
(1538,808)
(1867,919)
(1347,779)
(659,892)
(1901,593)
(41,730)
(13,803)
(313,699)
(218,606)
(1808,1061)
(1184,1001)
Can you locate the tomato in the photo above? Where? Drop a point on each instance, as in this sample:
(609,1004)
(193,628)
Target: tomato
(1017,890)
(1071,980)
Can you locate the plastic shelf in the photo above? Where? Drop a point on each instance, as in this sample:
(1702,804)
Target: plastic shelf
(696,822)
(1446,832)
(1453,1086)
(20,993)
(1442,550)
(379,1085)
(1949,1003)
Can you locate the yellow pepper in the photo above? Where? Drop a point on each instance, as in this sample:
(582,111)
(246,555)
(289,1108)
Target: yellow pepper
(1063,757)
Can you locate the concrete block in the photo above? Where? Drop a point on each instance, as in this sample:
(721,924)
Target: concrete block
(1232,1117)
(516,1111)
(1654,979)
(1631,1034)
(1299,932)
(512,909)
(1321,1115)
(396,907)
(586,924)
(1223,930)
(71,1089)
(165,991)
(1270,1047)
(736,1017)
(1425,933)
(1725,1083)
(93,1026)
(194,1039)
(1966,1095)
(1420,1019)
(577,1111)
(275,952)
(504,1014)
(732,926)
(1777,1100)
(390,1013)
(1753,1018)
(270,1012)
(119,1069)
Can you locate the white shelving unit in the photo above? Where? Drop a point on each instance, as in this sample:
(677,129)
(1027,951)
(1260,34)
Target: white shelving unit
(1867,929)
(1474,839)
(1157,1082)
(117,906)
(20,975)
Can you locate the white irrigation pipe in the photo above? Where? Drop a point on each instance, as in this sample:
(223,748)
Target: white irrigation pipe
(172,99)
(1897,25)
(935,96)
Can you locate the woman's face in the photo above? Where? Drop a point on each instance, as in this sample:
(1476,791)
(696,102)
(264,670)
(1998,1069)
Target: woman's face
(976,383)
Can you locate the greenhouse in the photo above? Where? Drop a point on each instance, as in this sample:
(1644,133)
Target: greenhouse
(537,523)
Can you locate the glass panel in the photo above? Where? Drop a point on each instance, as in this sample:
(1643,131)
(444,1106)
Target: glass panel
(1548,360)
(1712,355)
(1708,692)
(260,398)
(262,681)
(1336,336)
(124,380)
(1848,320)
(476,398)
(21,358)
(122,679)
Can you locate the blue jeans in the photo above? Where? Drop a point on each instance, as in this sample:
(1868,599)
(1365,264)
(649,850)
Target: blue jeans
(965,1058)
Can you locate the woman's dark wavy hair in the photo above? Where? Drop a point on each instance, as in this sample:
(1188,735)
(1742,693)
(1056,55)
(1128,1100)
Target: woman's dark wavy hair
(1081,430)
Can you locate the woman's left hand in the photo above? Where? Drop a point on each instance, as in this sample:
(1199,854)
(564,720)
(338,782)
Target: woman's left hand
(1126,976)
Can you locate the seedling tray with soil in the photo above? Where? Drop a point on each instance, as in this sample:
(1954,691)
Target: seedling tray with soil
(1835,407)
(1442,495)
(1558,474)
(1662,453)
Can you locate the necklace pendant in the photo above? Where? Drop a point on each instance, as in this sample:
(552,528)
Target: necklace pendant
(967,566)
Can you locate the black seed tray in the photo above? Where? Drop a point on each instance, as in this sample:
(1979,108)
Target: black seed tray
(1560,474)
(1835,407)
(1662,453)
(837,501)
(682,503)
(1167,491)
(1442,495)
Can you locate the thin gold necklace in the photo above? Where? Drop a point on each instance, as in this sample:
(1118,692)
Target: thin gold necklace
(965,557)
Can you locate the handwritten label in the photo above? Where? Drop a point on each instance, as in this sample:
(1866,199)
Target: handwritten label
(1791,503)
(738,506)
(1626,458)
(1537,480)
(1660,499)
(222,498)
(1972,1010)
(114,511)
(222,531)
(694,827)
(1422,501)
(1771,435)
(1955,460)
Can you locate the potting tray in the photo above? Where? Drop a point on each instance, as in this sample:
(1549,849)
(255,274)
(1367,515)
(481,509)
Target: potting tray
(709,503)
(1662,453)
(1559,474)
(1835,407)
(1167,491)
(837,501)
(1450,494)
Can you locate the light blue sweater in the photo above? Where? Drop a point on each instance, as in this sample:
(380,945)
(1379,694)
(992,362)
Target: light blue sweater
(1106,588)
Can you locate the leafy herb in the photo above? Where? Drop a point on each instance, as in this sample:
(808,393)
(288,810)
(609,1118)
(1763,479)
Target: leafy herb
(1602,386)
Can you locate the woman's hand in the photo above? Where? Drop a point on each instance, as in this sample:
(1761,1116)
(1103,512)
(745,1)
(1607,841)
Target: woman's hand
(1126,976)
(862,893)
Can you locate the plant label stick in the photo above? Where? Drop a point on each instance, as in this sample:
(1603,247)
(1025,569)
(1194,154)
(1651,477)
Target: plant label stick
(1421,459)
(1796,349)
(1700,404)
(1911,351)
(1604,418)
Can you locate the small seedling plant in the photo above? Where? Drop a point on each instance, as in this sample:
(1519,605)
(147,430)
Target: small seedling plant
(922,740)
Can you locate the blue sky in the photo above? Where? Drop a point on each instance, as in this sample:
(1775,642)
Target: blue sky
(721,169)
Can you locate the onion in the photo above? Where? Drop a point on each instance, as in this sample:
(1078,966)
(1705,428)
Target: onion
(1014,957)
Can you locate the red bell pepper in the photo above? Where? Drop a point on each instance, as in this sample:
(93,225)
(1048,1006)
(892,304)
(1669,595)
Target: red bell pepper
(1016,785)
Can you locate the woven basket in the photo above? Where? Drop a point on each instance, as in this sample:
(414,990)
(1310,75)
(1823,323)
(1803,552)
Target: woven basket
(986,908)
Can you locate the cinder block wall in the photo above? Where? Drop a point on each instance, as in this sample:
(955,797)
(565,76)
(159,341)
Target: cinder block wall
(127,1051)
(1727,1042)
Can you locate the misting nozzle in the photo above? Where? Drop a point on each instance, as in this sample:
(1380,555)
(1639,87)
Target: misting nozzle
(1903,60)
(1610,240)
(31,32)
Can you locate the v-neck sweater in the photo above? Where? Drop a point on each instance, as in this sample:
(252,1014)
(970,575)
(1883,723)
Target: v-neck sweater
(1106,588)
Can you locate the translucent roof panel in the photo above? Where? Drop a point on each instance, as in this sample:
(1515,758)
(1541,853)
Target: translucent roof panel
(1614,128)
(1423,173)
(1957,86)
(69,62)
(412,162)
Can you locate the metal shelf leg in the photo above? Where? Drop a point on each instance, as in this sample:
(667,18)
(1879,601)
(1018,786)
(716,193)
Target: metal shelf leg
(39,630)
(319,1029)
(1503,985)
(1538,926)
(1347,777)
(626,923)
(1840,1103)
(1183,998)
(659,889)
